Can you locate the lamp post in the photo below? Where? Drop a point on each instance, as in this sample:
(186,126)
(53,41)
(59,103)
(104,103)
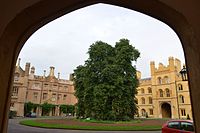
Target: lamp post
(184,77)
(183,73)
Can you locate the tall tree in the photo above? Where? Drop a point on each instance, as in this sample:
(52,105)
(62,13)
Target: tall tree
(106,84)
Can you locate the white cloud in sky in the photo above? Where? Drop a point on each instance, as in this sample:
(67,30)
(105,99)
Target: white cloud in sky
(64,42)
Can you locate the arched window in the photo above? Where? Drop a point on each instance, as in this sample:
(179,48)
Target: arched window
(149,90)
(166,79)
(161,93)
(159,80)
(181,99)
(167,92)
(143,100)
(143,112)
(142,90)
(150,100)
(180,87)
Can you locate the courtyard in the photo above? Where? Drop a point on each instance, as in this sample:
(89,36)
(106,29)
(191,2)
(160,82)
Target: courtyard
(15,127)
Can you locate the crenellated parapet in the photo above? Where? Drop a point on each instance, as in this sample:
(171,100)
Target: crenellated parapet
(173,64)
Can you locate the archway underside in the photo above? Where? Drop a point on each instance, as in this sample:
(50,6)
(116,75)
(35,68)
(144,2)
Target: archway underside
(28,16)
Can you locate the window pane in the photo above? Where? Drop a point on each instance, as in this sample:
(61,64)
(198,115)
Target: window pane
(187,126)
(174,125)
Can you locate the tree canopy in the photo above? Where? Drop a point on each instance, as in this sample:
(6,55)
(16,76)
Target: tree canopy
(106,84)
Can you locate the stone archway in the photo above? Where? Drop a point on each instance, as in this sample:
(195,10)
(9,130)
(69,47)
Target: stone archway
(20,19)
(166,110)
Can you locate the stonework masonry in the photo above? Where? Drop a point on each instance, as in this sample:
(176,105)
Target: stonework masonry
(164,94)
(29,87)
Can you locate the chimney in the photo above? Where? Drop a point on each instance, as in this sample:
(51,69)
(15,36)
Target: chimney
(32,70)
(31,76)
(71,77)
(44,74)
(27,69)
(51,74)
(58,76)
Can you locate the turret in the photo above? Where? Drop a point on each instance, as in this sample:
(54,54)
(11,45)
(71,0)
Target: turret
(27,69)
(152,65)
(171,63)
(178,65)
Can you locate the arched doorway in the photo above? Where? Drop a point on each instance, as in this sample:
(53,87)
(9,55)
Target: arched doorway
(143,113)
(166,110)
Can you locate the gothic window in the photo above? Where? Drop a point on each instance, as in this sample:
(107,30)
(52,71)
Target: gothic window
(59,96)
(37,85)
(16,77)
(46,85)
(65,88)
(150,100)
(181,99)
(64,97)
(166,79)
(180,87)
(15,91)
(143,100)
(161,93)
(35,95)
(143,112)
(167,92)
(159,80)
(151,111)
(44,96)
(183,113)
(142,90)
(149,90)
(12,104)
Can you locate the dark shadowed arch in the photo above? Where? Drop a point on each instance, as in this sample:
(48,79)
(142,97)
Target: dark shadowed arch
(166,110)
(21,22)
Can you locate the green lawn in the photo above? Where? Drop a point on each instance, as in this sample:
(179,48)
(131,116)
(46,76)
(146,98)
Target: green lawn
(77,127)
(109,122)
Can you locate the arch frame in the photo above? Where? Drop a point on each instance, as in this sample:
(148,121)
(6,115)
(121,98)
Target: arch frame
(32,15)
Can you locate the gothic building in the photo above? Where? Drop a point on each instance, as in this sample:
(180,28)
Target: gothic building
(28,87)
(164,94)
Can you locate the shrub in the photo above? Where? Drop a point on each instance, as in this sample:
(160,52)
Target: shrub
(12,114)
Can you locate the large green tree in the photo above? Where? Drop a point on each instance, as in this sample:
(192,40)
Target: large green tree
(106,84)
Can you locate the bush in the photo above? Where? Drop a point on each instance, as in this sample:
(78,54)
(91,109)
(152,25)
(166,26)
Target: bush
(12,114)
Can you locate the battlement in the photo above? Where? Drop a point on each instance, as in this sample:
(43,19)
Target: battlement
(173,64)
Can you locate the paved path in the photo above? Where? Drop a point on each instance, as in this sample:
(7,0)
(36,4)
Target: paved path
(15,127)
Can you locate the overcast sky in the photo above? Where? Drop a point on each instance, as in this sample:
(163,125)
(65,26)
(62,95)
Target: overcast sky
(64,42)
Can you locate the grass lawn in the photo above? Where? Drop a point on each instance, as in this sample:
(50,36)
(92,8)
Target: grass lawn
(35,123)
